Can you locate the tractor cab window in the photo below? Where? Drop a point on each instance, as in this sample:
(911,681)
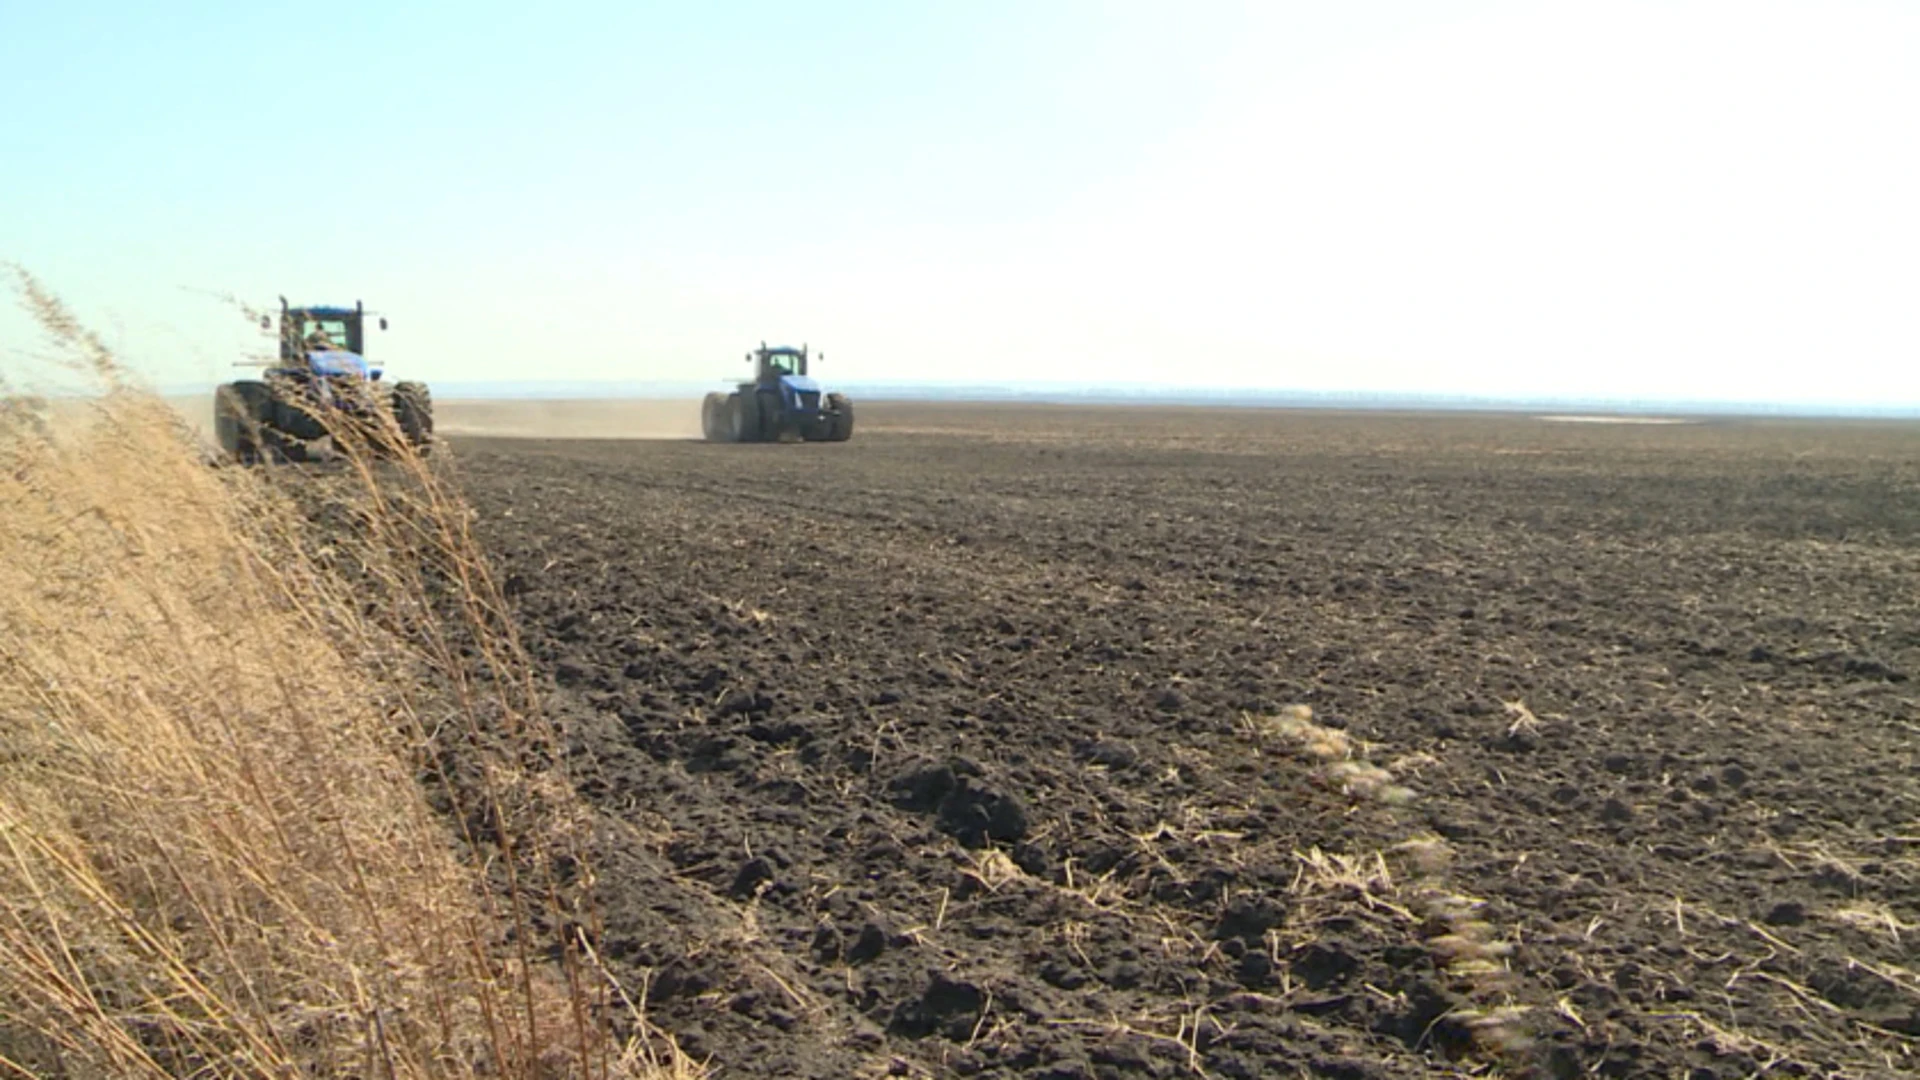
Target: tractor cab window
(325,334)
(778,365)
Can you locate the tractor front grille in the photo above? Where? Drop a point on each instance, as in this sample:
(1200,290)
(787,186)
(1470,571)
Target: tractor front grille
(810,400)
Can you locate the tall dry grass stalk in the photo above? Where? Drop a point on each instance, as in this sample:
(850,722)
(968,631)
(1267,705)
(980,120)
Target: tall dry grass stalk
(276,793)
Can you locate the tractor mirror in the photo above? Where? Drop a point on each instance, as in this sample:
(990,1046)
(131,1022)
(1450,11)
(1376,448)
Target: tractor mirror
(383,322)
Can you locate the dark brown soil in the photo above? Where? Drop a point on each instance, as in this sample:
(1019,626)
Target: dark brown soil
(943,751)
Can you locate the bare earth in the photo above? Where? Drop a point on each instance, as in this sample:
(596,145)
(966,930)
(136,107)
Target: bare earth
(962,746)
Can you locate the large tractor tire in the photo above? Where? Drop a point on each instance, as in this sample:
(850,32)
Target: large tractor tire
(297,415)
(242,420)
(743,416)
(413,413)
(714,419)
(843,418)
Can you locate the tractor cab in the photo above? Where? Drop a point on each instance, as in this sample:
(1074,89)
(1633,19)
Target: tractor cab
(325,340)
(780,362)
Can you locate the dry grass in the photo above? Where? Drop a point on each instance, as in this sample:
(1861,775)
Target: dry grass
(271,805)
(1455,931)
(1872,917)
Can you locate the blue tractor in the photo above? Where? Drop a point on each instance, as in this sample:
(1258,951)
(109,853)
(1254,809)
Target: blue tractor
(783,403)
(321,390)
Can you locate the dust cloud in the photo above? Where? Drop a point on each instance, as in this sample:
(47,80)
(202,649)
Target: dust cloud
(1612,419)
(581,419)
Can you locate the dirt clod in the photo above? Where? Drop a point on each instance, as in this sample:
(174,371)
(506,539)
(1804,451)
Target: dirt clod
(1786,913)
(1248,918)
(949,1007)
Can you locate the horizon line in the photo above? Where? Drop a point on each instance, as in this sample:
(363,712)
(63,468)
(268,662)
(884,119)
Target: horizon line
(1069,393)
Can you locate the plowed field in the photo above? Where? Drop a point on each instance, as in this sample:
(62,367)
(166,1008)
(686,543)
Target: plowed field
(967,747)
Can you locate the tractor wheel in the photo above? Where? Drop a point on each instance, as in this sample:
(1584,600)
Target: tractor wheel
(775,422)
(413,413)
(743,416)
(242,418)
(297,414)
(714,419)
(843,417)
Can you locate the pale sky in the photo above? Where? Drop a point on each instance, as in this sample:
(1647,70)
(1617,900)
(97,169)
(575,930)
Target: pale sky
(1662,200)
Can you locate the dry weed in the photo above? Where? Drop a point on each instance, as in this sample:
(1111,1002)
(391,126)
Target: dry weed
(1461,939)
(216,853)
